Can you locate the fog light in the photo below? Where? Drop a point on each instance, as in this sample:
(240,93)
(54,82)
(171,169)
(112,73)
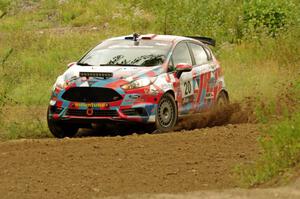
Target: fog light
(52,103)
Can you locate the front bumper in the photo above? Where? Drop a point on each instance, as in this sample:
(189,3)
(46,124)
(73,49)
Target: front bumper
(137,105)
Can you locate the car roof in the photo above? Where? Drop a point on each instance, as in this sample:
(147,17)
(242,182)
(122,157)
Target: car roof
(154,37)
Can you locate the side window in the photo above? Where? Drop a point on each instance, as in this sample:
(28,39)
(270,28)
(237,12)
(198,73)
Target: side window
(181,54)
(199,54)
(208,52)
(171,66)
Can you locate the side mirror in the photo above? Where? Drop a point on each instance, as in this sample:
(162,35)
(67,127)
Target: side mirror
(71,64)
(180,68)
(183,68)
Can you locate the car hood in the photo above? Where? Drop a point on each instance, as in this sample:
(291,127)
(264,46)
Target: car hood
(127,73)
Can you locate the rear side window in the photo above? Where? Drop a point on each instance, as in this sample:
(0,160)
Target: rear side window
(208,52)
(181,54)
(199,54)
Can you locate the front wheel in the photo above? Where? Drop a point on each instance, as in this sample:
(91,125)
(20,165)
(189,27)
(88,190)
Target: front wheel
(166,114)
(60,129)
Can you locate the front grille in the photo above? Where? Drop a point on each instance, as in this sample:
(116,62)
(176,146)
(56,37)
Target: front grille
(96,113)
(135,112)
(88,94)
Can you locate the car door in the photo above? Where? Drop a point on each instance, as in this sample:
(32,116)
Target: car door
(185,94)
(204,77)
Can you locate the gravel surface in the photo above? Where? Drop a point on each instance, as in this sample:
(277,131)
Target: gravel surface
(173,163)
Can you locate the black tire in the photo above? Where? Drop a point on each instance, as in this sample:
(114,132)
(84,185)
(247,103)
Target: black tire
(61,130)
(166,113)
(222,100)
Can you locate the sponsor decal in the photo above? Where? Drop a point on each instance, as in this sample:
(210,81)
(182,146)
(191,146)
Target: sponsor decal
(92,105)
(187,88)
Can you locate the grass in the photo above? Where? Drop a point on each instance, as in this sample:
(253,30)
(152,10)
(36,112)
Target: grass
(257,70)
(40,37)
(281,150)
(45,14)
(29,73)
(27,122)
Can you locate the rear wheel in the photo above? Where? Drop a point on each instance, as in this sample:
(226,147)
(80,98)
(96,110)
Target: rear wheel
(60,129)
(166,114)
(222,100)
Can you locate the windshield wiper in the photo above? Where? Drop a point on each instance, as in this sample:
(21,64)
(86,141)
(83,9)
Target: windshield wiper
(84,64)
(118,65)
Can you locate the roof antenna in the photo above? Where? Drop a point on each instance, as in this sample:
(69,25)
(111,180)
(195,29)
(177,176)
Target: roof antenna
(135,39)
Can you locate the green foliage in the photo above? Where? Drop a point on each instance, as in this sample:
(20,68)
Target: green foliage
(260,68)
(4,90)
(4,4)
(27,129)
(72,13)
(269,17)
(36,61)
(192,17)
(281,151)
(281,147)
(228,20)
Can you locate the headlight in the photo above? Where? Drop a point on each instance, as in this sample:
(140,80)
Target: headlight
(60,82)
(139,83)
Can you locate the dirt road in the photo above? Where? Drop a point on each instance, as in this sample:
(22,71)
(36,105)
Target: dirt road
(292,191)
(112,166)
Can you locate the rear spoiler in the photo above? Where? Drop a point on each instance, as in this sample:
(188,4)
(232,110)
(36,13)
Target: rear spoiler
(205,40)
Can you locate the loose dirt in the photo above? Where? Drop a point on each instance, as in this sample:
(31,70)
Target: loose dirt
(186,161)
(230,114)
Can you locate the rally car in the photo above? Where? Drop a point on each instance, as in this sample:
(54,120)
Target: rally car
(151,79)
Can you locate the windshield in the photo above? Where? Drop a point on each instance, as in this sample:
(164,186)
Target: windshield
(126,53)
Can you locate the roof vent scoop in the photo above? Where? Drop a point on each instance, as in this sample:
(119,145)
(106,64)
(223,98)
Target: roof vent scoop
(149,36)
(137,37)
(134,37)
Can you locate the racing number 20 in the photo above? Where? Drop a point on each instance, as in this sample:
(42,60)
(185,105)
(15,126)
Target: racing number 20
(187,88)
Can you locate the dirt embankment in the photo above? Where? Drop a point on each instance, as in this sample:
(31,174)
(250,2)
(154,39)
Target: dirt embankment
(110,166)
